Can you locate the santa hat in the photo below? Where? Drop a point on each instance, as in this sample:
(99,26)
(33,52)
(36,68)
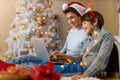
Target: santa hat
(76,5)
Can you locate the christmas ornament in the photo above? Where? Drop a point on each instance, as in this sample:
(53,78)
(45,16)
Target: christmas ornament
(50,6)
(53,29)
(40,24)
(43,17)
(38,18)
(14,38)
(45,72)
(23,26)
(19,36)
(30,8)
(40,10)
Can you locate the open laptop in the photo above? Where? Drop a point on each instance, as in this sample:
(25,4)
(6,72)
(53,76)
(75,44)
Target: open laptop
(40,49)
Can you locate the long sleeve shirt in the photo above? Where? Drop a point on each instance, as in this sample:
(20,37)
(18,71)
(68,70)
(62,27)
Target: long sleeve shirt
(97,50)
(72,46)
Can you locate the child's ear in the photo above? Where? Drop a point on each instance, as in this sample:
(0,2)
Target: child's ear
(96,22)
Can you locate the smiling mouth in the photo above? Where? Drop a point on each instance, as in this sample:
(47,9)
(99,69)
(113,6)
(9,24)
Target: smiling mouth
(85,29)
(72,24)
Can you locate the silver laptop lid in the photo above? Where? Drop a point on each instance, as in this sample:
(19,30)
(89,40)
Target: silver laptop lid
(40,48)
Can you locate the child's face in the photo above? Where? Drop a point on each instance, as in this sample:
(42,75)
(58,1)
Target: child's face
(74,20)
(88,27)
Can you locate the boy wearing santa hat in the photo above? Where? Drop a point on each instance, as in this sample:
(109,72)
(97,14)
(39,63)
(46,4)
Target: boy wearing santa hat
(72,46)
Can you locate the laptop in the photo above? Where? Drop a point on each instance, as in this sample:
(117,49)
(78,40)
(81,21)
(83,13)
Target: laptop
(41,51)
(40,48)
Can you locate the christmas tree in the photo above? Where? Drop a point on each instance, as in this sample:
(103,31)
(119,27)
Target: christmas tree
(34,18)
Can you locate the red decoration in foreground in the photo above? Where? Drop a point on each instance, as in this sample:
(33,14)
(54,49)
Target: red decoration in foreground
(45,72)
(4,65)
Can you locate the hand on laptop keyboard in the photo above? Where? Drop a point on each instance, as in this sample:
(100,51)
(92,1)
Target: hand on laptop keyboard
(58,56)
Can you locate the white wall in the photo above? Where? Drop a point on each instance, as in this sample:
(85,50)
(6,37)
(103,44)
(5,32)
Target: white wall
(7,13)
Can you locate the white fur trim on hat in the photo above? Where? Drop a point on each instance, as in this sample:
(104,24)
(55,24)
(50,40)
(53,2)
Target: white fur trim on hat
(64,6)
(87,10)
(76,5)
(80,9)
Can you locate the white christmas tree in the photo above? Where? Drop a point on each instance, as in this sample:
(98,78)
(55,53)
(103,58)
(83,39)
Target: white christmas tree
(34,18)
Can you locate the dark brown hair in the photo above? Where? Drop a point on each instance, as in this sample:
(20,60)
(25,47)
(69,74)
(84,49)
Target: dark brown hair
(89,17)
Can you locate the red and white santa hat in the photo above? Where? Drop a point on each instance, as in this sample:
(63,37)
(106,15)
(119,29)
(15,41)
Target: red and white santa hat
(76,5)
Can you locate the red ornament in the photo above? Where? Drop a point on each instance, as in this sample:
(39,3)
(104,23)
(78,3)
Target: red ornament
(45,72)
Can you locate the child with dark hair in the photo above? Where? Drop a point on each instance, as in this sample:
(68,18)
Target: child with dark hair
(73,12)
(97,47)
